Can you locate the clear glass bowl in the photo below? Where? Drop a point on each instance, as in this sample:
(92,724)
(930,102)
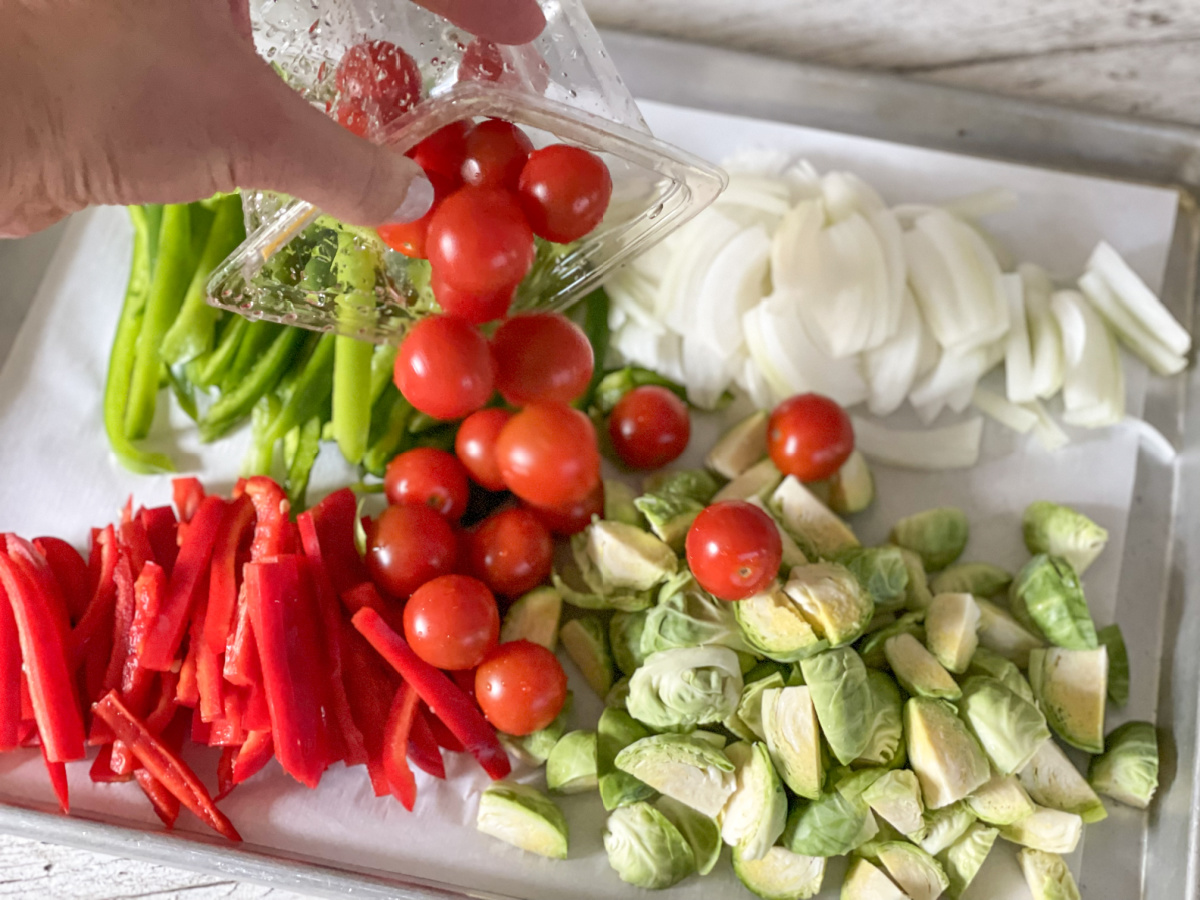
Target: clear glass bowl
(560,87)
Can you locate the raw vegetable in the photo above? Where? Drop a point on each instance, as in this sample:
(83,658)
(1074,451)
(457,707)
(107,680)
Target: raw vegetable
(938,536)
(781,874)
(522,816)
(1008,727)
(951,626)
(866,882)
(1047,876)
(832,600)
(615,731)
(1050,830)
(1047,598)
(683,767)
(948,447)
(852,487)
(793,736)
(976,578)
(809,437)
(649,427)
(740,447)
(1000,633)
(1053,781)
(571,765)
(841,695)
(1060,531)
(1127,770)
(1070,686)
(586,642)
(1118,663)
(947,759)
(754,815)
(672,504)
(685,687)
(915,871)
(917,670)
(521,687)
(534,617)
(733,550)
(808,520)
(1001,801)
(963,859)
(774,625)
(645,849)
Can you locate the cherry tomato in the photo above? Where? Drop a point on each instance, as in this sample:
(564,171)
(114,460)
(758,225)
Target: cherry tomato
(408,546)
(521,687)
(481,61)
(475,445)
(541,357)
(409,238)
(479,241)
(475,308)
(444,368)
(733,549)
(649,427)
(452,622)
(385,79)
(496,154)
(442,152)
(430,477)
(564,191)
(809,436)
(510,551)
(352,117)
(547,455)
(572,519)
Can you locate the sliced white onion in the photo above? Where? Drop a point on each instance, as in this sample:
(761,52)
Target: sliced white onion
(795,231)
(767,161)
(950,447)
(982,203)
(735,280)
(891,368)
(845,193)
(928,412)
(682,278)
(658,350)
(1093,381)
(803,180)
(1146,346)
(1018,356)
(1046,430)
(954,373)
(1011,415)
(752,199)
(887,230)
(1045,338)
(1138,299)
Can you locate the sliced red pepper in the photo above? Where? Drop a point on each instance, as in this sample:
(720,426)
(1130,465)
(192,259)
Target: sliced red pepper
(333,521)
(257,714)
(161,530)
(102,771)
(210,683)
(122,761)
(58,780)
(444,736)
(395,746)
(70,571)
(253,755)
(137,682)
(274,534)
(90,644)
(444,698)
(225,772)
(364,596)
(133,540)
(188,495)
(164,710)
(223,581)
(160,646)
(423,748)
(201,730)
(166,805)
(285,628)
(166,766)
(124,614)
(369,688)
(189,684)
(38,570)
(51,688)
(10,677)
(241,666)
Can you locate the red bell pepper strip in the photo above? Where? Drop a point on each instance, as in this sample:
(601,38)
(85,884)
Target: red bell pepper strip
(124,616)
(133,540)
(102,771)
(423,748)
(58,780)
(164,710)
(210,683)
(370,685)
(465,679)
(166,766)
(444,698)
(70,571)
(201,730)
(253,755)
(257,714)
(161,530)
(160,646)
(223,581)
(51,687)
(166,805)
(189,684)
(285,628)
(225,772)
(137,682)
(364,596)
(333,521)
(188,494)
(122,761)
(274,533)
(38,570)
(395,746)
(10,677)
(444,736)
(91,641)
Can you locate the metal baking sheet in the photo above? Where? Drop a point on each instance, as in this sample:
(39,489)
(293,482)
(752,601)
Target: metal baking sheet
(1156,574)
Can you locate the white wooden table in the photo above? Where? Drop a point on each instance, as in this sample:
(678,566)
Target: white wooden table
(1139,57)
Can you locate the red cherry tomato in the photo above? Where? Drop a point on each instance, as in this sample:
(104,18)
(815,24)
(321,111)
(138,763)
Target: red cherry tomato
(442,152)
(408,546)
(444,368)
(733,549)
(452,622)
(564,191)
(475,308)
(521,687)
(475,445)
(385,79)
(572,519)
(352,117)
(429,477)
(547,455)
(809,436)
(479,241)
(649,427)
(496,153)
(510,551)
(541,357)
(409,238)
(481,61)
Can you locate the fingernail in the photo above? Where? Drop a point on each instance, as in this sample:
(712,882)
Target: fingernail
(416,203)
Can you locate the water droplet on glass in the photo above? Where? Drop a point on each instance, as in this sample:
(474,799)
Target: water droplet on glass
(655,213)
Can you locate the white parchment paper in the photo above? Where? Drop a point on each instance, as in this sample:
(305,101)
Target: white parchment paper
(58,478)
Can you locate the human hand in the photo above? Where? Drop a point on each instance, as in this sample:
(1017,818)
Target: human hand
(165,101)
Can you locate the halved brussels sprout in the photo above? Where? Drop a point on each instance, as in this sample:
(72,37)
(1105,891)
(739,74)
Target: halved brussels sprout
(841,693)
(686,615)
(952,630)
(618,695)
(792,554)
(963,859)
(817,530)
(1071,687)
(832,825)
(943,827)
(781,874)
(625,640)
(615,731)
(1053,781)
(917,596)
(871,646)
(1127,771)
(793,736)
(947,759)
(896,798)
(683,688)
(886,746)
(757,481)
(988,662)
(1051,830)
(1002,634)
(524,817)
(627,557)
(645,849)
(1061,531)
(1009,728)
(618,504)
(917,670)
(747,721)
(774,625)
(852,488)
(672,505)
(881,572)
(918,874)
(534,617)
(866,882)
(1001,801)
(581,582)
(755,814)
(571,765)
(1046,597)
(1047,876)
(702,833)
(832,600)
(586,642)
(938,536)
(1110,638)
(533,749)
(979,579)
(740,447)
(684,767)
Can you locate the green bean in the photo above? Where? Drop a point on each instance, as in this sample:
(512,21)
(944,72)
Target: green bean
(309,394)
(595,326)
(304,443)
(355,266)
(391,432)
(383,364)
(259,336)
(235,405)
(218,362)
(261,455)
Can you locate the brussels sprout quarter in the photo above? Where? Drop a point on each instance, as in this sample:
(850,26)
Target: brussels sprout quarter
(1061,531)
(1071,686)
(865,882)
(1053,781)
(1047,876)
(1128,769)
(938,536)
(685,768)
(645,849)
(952,630)
(947,759)
(524,817)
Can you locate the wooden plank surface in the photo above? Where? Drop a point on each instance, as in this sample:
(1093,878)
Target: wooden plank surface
(1139,57)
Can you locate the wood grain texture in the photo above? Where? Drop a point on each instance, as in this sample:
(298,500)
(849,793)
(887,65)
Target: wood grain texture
(1127,56)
